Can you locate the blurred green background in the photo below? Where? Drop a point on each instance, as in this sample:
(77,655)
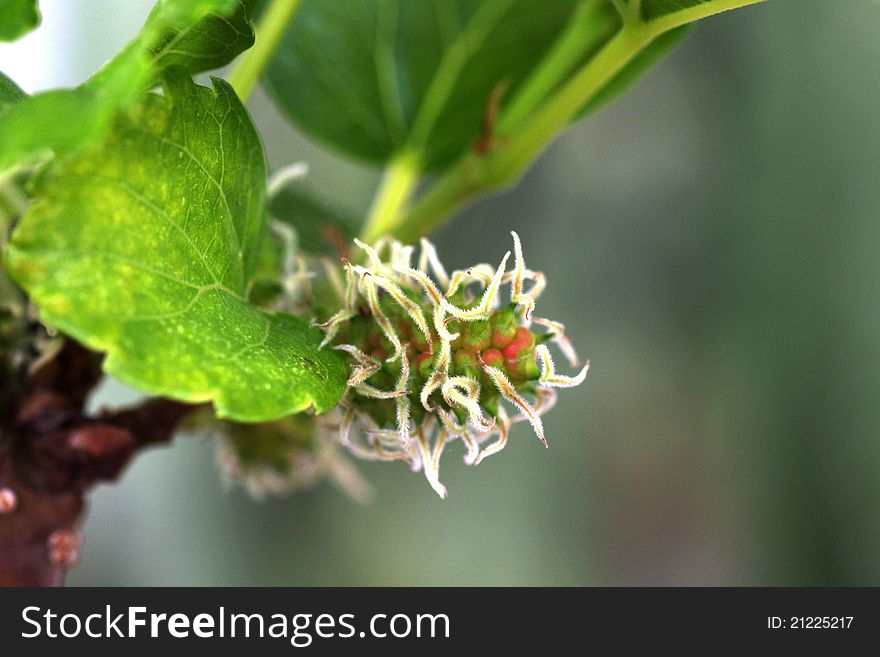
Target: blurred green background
(711,241)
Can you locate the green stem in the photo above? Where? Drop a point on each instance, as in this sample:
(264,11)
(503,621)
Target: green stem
(697,12)
(521,142)
(589,20)
(398,185)
(500,167)
(554,115)
(455,188)
(269,30)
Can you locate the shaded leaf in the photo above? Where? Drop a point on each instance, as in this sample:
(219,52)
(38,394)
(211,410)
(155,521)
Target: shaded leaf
(17,17)
(202,39)
(374,77)
(143,246)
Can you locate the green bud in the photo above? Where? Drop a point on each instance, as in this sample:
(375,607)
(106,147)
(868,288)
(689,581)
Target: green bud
(527,365)
(479,336)
(467,364)
(504,323)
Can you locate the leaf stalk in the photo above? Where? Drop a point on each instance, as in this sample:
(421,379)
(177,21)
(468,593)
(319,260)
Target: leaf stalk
(393,196)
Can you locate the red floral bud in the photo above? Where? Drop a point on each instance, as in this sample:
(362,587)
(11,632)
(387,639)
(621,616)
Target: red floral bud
(491,357)
(522,340)
(505,326)
(456,356)
(479,336)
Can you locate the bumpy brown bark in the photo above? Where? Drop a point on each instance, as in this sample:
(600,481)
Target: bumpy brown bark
(51,453)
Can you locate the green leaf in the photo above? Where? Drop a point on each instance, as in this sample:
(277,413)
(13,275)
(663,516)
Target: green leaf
(54,121)
(177,32)
(144,246)
(201,36)
(634,69)
(375,77)
(9,92)
(17,17)
(191,35)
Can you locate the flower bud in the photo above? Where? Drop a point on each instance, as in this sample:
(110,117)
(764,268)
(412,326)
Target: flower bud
(435,358)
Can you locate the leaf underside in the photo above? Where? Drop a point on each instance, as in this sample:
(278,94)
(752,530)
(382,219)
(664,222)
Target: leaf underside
(144,245)
(373,77)
(203,38)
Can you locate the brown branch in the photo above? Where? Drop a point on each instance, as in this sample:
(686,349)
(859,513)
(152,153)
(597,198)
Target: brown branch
(51,453)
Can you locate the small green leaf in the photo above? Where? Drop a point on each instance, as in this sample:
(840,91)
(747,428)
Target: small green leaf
(144,245)
(177,32)
(634,69)
(375,77)
(17,17)
(202,38)
(9,92)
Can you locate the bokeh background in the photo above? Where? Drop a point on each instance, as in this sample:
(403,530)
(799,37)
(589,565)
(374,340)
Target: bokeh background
(711,241)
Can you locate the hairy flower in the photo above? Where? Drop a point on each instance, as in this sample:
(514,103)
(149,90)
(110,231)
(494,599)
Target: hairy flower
(435,356)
